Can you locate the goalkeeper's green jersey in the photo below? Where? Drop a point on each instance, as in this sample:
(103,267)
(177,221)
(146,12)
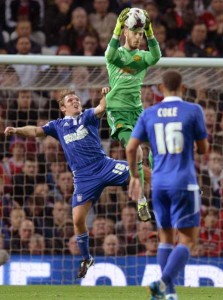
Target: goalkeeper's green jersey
(126,70)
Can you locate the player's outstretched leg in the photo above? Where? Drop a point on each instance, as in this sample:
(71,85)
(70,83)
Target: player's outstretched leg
(84,266)
(157,289)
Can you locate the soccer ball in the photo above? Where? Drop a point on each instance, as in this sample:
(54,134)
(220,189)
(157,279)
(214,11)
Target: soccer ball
(3,257)
(136,19)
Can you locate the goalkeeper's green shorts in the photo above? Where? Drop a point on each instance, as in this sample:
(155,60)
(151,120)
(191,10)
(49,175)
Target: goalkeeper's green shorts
(121,122)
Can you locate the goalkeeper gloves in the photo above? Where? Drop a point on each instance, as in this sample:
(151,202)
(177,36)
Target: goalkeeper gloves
(121,21)
(148,26)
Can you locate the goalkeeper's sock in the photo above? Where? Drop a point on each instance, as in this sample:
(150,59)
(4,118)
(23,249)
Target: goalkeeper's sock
(83,244)
(175,263)
(163,253)
(141,175)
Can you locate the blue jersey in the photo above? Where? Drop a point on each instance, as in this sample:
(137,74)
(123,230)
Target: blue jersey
(78,137)
(171,127)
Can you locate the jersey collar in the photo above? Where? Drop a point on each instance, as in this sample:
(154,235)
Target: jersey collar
(70,117)
(172,98)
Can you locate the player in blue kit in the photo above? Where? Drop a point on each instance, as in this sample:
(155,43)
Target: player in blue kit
(78,135)
(171,127)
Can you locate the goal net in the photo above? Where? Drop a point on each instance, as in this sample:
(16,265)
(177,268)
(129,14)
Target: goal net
(36,186)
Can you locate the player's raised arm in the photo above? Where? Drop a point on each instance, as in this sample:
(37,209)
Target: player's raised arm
(154,53)
(100,109)
(111,54)
(26,131)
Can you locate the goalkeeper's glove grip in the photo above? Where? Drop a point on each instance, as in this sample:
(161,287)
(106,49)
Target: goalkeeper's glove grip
(121,21)
(149,32)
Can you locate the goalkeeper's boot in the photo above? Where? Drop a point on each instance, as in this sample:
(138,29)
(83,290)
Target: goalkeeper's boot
(84,266)
(171,297)
(143,210)
(157,290)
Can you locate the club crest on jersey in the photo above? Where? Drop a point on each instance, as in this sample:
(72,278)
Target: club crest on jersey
(79,197)
(119,126)
(137,58)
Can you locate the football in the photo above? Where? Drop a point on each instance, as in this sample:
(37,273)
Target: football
(3,257)
(136,19)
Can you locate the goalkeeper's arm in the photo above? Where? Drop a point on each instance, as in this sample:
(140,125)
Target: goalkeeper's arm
(111,54)
(26,131)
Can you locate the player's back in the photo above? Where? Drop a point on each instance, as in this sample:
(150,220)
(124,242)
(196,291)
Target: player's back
(172,127)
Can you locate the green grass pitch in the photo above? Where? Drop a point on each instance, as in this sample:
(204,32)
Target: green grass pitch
(59,292)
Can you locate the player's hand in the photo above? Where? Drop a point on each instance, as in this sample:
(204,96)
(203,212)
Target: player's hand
(10,131)
(121,21)
(105,90)
(148,27)
(135,188)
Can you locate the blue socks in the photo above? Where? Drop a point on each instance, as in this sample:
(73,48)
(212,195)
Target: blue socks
(163,253)
(83,244)
(175,263)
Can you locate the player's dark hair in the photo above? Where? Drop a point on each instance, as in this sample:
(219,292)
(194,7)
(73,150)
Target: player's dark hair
(172,80)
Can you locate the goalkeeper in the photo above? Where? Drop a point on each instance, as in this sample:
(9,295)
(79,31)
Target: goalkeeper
(127,67)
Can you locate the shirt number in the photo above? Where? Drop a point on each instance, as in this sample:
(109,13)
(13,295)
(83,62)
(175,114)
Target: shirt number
(169,138)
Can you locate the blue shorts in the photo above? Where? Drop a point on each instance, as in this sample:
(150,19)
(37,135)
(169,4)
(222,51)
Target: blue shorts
(176,208)
(90,181)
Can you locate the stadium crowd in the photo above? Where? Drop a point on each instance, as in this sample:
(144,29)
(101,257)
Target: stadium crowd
(36,185)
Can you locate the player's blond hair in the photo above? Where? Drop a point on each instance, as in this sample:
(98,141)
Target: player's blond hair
(63,94)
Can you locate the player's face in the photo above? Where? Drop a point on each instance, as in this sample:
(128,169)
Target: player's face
(133,38)
(72,105)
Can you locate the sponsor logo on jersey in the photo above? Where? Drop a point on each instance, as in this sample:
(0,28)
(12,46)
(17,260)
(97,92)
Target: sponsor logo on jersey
(80,134)
(137,58)
(66,124)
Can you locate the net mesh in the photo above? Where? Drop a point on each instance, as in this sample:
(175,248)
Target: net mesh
(36,185)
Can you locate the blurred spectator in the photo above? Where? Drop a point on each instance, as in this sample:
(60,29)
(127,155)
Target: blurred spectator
(147,96)
(126,228)
(37,245)
(138,244)
(153,10)
(53,225)
(218,36)
(28,74)
(24,183)
(112,200)
(20,243)
(197,45)
(23,110)
(66,231)
(56,19)
(209,15)
(73,246)
(102,20)
(31,10)
(210,233)
(48,152)
(64,187)
(111,246)
(179,20)
(210,121)
(198,250)
(80,83)
(211,178)
(101,227)
(160,34)
(35,211)
(17,216)
(23,29)
(151,244)
(57,165)
(90,46)
(74,33)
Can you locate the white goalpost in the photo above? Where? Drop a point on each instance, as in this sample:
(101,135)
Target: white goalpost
(42,76)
